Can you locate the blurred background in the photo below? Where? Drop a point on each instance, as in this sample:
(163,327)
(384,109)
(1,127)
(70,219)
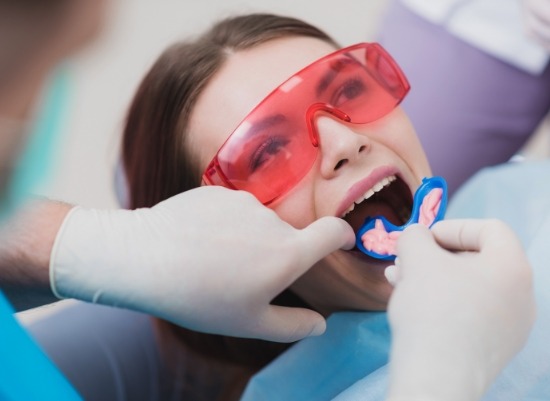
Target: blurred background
(103,77)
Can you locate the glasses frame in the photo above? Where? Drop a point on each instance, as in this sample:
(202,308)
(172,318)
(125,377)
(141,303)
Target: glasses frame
(214,173)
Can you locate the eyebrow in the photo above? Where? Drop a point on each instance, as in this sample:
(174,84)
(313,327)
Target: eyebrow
(265,123)
(329,76)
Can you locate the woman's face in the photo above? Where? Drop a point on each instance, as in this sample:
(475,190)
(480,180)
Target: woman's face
(352,160)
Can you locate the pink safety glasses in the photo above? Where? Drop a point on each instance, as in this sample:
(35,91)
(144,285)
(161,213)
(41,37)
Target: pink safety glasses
(274,147)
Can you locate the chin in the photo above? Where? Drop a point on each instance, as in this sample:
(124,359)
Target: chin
(350,280)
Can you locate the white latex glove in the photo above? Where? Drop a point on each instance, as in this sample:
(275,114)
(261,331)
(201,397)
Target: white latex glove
(457,317)
(537,20)
(210,259)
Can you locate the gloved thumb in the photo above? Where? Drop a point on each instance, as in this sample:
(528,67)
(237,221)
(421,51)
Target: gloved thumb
(414,243)
(284,324)
(474,235)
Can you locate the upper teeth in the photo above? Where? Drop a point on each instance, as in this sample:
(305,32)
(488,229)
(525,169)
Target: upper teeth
(375,188)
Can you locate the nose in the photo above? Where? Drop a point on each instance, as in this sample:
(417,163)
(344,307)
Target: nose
(340,146)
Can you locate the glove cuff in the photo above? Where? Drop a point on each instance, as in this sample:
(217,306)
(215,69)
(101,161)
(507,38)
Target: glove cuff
(55,250)
(94,252)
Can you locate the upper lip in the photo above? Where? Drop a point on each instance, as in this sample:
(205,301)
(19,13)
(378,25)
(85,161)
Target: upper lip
(358,189)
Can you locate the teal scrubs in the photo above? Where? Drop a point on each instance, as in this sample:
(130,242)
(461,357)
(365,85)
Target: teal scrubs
(26,373)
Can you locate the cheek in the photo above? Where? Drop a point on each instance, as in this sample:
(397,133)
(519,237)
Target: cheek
(407,146)
(400,137)
(298,206)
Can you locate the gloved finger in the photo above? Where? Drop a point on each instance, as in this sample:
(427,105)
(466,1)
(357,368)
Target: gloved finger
(413,238)
(286,324)
(393,272)
(473,235)
(413,245)
(321,238)
(459,235)
(331,232)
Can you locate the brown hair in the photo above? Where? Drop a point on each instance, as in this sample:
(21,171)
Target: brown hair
(158,164)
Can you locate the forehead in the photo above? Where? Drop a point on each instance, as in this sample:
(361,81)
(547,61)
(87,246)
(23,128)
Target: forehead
(245,79)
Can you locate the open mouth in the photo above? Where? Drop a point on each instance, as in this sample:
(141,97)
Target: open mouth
(390,197)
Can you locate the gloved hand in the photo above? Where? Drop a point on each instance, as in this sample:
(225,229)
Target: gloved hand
(210,259)
(462,306)
(537,20)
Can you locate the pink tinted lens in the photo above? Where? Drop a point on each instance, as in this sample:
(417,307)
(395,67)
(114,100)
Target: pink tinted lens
(271,150)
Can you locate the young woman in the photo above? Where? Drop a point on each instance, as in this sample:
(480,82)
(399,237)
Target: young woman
(323,141)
